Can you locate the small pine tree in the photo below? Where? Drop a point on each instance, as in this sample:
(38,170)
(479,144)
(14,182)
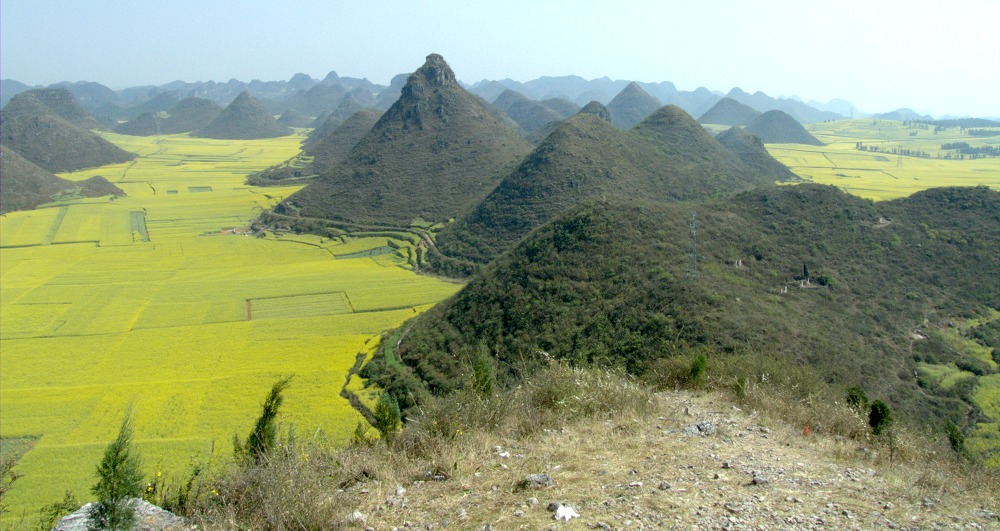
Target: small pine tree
(387,416)
(741,388)
(697,368)
(264,437)
(880,417)
(119,479)
(484,372)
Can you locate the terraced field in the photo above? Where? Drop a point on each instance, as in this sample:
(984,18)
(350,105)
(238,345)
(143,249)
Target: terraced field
(882,174)
(154,299)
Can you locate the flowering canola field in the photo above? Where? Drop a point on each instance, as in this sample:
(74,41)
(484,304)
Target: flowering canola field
(875,172)
(153,300)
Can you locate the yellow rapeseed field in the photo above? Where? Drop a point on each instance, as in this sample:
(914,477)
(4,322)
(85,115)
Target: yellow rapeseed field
(882,174)
(152,300)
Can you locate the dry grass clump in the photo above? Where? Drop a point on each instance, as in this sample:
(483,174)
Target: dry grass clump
(795,394)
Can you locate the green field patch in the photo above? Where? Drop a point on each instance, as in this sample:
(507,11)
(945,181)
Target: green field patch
(171,192)
(985,441)
(310,305)
(943,376)
(26,228)
(137,220)
(367,253)
(199,188)
(12,448)
(54,227)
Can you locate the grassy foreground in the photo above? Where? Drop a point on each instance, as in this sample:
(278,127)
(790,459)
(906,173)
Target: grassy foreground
(622,454)
(158,299)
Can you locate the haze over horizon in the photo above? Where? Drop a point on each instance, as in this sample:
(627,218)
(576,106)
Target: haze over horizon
(933,58)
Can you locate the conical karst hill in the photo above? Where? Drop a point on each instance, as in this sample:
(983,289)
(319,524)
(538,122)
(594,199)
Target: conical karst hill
(63,104)
(46,139)
(752,152)
(598,109)
(245,118)
(25,185)
(317,100)
(562,106)
(191,114)
(631,106)
(778,127)
(293,118)
(433,154)
(188,114)
(146,124)
(323,154)
(334,147)
(529,114)
(352,102)
(728,111)
(668,157)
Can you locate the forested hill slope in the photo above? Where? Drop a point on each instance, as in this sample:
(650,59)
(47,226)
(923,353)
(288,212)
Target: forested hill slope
(667,157)
(433,154)
(42,135)
(244,118)
(777,127)
(25,185)
(806,273)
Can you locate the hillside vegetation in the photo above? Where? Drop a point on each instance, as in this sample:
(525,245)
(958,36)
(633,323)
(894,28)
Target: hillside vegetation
(728,111)
(25,185)
(668,157)
(186,115)
(806,273)
(243,119)
(631,106)
(322,154)
(777,127)
(41,134)
(750,149)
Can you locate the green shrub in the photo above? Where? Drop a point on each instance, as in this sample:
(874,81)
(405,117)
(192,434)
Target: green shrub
(880,417)
(857,399)
(387,417)
(119,479)
(955,438)
(484,372)
(697,368)
(50,515)
(741,388)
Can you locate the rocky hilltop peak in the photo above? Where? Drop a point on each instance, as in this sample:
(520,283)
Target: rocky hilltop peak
(435,73)
(631,106)
(596,108)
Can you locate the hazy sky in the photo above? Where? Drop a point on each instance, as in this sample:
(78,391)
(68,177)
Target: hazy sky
(937,57)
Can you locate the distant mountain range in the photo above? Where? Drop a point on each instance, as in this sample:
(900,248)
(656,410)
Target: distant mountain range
(312,97)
